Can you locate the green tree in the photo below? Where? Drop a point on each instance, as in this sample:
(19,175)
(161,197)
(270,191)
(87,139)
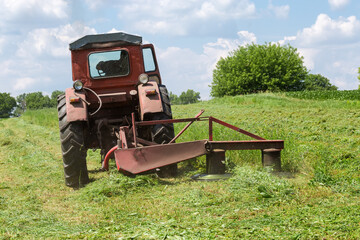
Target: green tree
(37,100)
(317,82)
(190,96)
(7,104)
(20,104)
(174,99)
(54,96)
(256,68)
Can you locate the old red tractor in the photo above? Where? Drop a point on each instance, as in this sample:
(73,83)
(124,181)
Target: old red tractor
(118,104)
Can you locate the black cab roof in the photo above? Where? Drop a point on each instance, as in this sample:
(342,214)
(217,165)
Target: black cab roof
(105,40)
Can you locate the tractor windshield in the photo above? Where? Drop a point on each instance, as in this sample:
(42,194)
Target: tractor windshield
(109,64)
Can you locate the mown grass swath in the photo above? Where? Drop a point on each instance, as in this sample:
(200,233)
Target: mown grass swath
(316,197)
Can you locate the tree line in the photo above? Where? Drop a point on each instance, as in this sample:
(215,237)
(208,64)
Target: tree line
(14,107)
(190,96)
(10,106)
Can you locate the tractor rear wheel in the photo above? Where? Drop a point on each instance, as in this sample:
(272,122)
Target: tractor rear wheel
(164,133)
(73,149)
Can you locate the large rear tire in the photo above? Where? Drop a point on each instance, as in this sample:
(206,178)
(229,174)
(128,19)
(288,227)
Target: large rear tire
(73,149)
(164,133)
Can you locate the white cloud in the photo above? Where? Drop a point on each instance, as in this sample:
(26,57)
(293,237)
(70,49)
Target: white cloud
(182,17)
(279,11)
(336,4)
(330,47)
(327,30)
(114,30)
(287,39)
(12,10)
(41,60)
(309,55)
(222,47)
(23,83)
(52,41)
(226,9)
(2,41)
(160,26)
(182,68)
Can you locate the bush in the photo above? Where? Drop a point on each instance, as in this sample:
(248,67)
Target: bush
(258,68)
(317,82)
(7,104)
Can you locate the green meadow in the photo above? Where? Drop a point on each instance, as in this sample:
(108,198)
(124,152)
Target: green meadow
(317,196)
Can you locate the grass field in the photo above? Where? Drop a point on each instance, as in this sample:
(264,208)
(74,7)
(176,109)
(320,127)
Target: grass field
(316,198)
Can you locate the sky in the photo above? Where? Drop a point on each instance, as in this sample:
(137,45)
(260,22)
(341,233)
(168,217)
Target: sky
(189,37)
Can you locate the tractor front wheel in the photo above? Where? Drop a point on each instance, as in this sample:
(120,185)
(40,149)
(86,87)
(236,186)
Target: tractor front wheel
(73,149)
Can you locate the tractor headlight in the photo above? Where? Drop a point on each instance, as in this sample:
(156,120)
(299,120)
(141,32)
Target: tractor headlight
(143,78)
(78,85)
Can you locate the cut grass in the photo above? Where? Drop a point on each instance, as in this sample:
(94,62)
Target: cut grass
(319,200)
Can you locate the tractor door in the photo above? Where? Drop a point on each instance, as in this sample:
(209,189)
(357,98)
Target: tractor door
(150,64)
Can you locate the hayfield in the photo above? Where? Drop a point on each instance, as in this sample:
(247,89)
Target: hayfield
(316,197)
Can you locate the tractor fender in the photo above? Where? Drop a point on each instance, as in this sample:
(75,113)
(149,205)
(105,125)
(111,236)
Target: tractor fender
(149,98)
(76,108)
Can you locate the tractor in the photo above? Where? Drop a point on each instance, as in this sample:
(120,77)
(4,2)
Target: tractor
(118,104)
(114,75)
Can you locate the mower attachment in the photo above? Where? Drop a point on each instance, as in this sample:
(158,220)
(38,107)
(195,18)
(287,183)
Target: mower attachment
(141,159)
(136,158)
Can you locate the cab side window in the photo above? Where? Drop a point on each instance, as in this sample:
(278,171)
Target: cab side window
(149,63)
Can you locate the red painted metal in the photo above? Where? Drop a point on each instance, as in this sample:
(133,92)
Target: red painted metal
(140,159)
(186,127)
(154,122)
(79,59)
(137,160)
(210,130)
(122,135)
(245,145)
(105,164)
(76,111)
(107,86)
(210,119)
(235,128)
(145,142)
(149,103)
(133,128)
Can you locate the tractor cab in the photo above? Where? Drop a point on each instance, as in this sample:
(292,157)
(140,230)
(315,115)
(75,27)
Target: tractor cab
(113,61)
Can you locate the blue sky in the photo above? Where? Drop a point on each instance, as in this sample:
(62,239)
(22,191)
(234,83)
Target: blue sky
(189,36)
